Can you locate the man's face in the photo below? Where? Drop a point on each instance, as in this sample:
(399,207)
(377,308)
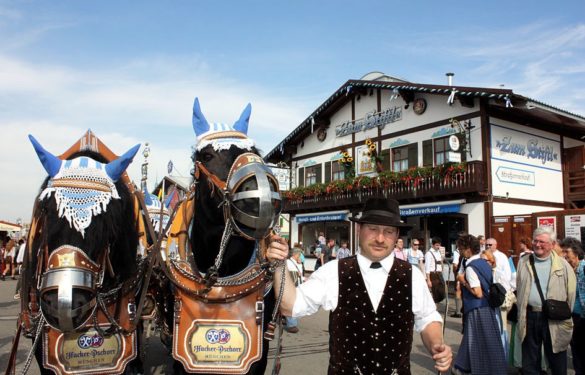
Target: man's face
(482,242)
(377,241)
(437,246)
(399,243)
(542,245)
(491,244)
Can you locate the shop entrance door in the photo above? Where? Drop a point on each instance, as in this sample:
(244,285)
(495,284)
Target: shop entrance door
(447,228)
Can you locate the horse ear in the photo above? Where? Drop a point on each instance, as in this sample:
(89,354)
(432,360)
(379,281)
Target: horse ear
(50,162)
(147,198)
(200,124)
(242,124)
(115,168)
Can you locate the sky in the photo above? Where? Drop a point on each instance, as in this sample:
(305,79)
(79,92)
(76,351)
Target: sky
(130,70)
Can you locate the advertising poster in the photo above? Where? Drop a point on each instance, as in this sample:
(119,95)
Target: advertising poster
(548,221)
(574,225)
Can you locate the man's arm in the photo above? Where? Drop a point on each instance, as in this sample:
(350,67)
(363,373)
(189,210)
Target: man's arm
(278,251)
(432,337)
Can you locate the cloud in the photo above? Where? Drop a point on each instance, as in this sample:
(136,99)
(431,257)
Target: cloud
(122,106)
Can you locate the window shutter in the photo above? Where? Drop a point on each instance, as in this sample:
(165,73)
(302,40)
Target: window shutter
(327,172)
(318,172)
(386,159)
(413,155)
(301,177)
(428,153)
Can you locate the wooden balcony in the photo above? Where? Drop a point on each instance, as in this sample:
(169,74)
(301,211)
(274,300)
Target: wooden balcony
(470,182)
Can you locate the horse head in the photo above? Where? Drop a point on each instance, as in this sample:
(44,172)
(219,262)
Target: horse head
(85,237)
(233,185)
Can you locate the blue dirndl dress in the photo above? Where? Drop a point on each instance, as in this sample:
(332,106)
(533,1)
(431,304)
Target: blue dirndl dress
(481,350)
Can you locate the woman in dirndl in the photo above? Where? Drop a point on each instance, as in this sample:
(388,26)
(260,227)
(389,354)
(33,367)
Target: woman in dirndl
(481,350)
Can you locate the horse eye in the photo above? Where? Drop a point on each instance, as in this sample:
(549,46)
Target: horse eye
(205,157)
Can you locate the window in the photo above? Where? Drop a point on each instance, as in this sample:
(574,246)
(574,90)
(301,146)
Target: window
(441,147)
(404,157)
(400,159)
(312,175)
(334,171)
(337,171)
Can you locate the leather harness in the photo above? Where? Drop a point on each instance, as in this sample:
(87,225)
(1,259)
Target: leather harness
(217,323)
(110,331)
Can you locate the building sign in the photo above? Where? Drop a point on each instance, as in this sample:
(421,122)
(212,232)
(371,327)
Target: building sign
(430,210)
(370,121)
(515,176)
(526,165)
(318,218)
(519,147)
(454,157)
(283,177)
(364,164)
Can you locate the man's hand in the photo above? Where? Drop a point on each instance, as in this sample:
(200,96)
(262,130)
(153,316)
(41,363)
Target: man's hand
(443,356)
(277,249)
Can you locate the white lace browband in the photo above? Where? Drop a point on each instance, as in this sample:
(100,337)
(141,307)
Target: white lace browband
(82,190)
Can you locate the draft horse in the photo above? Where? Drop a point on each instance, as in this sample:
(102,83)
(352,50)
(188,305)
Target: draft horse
(221,302)
(82,275)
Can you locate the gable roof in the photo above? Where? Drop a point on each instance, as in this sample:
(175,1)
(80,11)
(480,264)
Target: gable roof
(502,99)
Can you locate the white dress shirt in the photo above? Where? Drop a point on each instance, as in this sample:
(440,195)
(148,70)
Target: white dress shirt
(430,264)
(322,290)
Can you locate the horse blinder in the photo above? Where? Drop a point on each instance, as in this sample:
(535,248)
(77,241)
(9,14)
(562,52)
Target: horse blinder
(75,278)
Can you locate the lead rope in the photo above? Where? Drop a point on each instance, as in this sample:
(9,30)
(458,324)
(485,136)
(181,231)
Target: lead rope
(213,272)
(30,355)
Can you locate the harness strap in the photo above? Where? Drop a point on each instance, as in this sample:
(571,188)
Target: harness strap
(216,181)
(11,367)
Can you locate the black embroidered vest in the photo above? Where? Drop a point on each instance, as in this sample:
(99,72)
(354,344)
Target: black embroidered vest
(365,341)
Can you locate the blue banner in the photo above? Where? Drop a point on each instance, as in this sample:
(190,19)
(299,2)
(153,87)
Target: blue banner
(430,210)
(316,218)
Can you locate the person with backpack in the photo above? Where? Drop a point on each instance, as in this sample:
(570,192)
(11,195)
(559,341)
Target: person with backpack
(481,350)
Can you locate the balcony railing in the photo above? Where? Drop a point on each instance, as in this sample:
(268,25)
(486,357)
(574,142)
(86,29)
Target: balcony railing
(471,180)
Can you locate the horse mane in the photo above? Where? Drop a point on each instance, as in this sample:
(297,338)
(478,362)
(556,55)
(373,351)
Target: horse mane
(115,227)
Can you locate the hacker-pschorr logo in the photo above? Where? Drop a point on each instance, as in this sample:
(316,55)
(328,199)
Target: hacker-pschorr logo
(87,341)
(217,336)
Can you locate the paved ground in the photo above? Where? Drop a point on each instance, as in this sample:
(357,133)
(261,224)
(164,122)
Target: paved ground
(303,353)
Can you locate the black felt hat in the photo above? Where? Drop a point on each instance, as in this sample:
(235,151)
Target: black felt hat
(381,211)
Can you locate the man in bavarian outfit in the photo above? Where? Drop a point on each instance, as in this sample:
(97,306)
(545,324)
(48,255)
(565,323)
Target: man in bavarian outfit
(374,299)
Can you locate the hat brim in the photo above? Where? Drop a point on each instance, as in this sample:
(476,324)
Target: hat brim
(379,220)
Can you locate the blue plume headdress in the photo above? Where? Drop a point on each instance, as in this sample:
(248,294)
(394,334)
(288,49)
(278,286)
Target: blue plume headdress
(221,136)
(82,187)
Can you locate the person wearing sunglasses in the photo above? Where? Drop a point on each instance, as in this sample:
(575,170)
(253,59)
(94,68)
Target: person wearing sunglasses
(415,255)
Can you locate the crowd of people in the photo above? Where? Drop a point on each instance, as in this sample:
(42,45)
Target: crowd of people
(11,258)
(522,314)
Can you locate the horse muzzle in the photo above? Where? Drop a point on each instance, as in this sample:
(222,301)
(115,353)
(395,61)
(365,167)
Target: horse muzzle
(68,289)
(254,198)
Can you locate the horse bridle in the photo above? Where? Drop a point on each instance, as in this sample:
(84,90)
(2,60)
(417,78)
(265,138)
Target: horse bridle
(245,166)
(70,268)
